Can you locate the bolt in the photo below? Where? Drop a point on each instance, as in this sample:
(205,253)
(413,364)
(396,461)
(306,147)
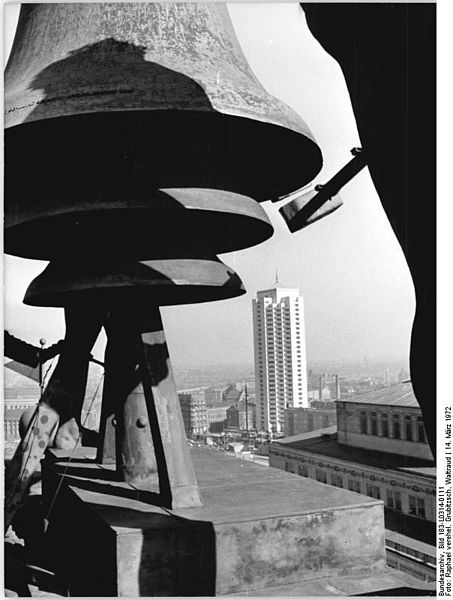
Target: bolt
(142,422)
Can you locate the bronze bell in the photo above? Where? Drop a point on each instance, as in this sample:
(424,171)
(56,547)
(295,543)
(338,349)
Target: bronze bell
(136,97)
(122,223)
(159,282)
(137,143)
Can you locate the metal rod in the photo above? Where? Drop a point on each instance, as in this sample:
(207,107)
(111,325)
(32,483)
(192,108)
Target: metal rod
(344,175)
(42,343)
(246,416)
(96,361)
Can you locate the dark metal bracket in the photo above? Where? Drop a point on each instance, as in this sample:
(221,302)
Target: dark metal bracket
(301,211)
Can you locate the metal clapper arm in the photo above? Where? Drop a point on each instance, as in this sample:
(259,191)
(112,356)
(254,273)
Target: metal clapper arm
(309,207)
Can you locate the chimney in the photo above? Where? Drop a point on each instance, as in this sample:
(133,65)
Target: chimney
(337,387)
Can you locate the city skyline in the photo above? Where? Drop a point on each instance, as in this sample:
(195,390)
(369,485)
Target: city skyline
(349,267)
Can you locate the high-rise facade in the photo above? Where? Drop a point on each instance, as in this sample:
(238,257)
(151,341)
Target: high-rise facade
(280,357)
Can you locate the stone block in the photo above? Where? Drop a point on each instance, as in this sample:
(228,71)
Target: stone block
(258,528)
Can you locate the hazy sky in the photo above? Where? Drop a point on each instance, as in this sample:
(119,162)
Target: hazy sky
(358,292)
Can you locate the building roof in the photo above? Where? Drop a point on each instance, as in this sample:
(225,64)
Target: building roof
(398,394)
(410,542)
(324,442)
(233,394)
(308,435)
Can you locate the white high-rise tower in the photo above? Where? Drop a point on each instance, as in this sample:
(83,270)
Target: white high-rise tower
(280,358)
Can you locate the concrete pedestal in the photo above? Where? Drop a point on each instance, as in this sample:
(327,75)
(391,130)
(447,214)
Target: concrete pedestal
(259,528)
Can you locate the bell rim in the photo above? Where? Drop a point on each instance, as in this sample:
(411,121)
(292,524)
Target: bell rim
(270,144)
(223,231)
(187,280)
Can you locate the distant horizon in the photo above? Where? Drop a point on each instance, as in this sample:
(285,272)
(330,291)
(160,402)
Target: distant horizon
(346,362)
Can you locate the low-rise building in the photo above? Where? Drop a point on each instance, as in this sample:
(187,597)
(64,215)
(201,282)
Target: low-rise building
(301,420)
(215,417)
(241,418)
(233,395)
(380,450)
(214,395)
(12,414)
(411,556)
(193,409)
(389,420)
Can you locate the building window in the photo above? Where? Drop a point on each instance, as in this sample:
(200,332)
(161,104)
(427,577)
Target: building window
(354,486)
(421,430)
(417,507)
(373,423)
(363,426)
(289,466)
(408,427)
(303,472)
(336,480)
(394,500)
(373,491)
(396,427)
(321,476)
(385,425)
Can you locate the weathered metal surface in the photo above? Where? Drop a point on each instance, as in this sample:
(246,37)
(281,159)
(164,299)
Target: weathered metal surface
(308,208)
(301,210)
(133,56)
(60,406)
(26,459)
(134,223)
(161,281)
(391,583)
(125,432)
(174,464)
(112,101)
(142,430)
(259,528)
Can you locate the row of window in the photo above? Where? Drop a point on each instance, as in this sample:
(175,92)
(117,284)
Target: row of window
(402,566)
(426,558)
(393,499)
(391,426)
(280,346)
(310,422)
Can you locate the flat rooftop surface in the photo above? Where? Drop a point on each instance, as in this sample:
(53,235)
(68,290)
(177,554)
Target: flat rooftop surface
(392,583)
(409,542)
(233,490)
(398,394)
(325,443)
